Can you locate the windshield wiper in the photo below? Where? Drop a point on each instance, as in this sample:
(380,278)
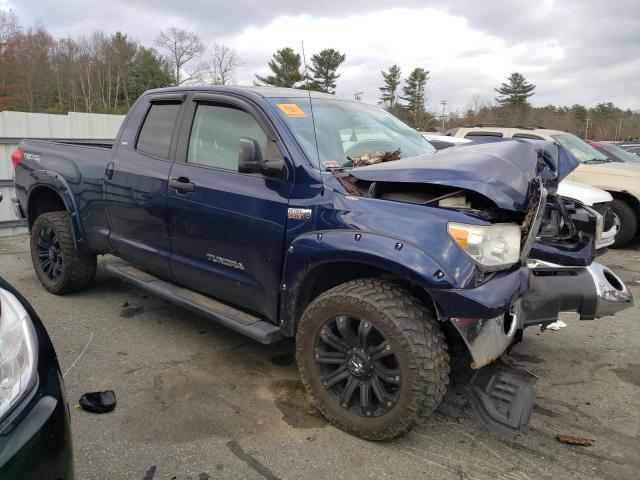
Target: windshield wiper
(597,160)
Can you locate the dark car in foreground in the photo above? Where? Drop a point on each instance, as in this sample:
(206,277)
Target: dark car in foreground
(35,432)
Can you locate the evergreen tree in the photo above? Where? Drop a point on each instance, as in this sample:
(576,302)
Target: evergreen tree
(516,92)
(324,66)
(389,92)
(413,91)
(150,70)
(285,68)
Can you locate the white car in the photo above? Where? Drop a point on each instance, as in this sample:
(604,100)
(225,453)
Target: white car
(597,199)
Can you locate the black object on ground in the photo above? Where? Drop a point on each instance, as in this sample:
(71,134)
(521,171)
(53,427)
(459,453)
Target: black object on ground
(98,402)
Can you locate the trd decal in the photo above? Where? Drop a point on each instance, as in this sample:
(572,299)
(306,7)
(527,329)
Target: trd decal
(299,214)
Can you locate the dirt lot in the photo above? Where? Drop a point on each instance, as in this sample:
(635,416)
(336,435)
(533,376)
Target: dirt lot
(198,401)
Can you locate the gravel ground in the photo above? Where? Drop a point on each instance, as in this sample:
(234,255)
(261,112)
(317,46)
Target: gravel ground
(197,401)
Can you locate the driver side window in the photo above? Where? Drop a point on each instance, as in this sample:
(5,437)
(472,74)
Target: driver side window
(215,135)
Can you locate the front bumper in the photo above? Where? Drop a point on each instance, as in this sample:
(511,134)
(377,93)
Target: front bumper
(488,338)
(486,317)
(593,292)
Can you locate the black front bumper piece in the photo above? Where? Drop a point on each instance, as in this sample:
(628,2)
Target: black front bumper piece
(503,399)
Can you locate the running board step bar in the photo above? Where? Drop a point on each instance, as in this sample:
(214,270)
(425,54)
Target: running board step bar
(230,317)
(503,399)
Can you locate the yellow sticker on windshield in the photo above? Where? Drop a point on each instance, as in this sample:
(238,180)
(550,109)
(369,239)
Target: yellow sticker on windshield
(291,110)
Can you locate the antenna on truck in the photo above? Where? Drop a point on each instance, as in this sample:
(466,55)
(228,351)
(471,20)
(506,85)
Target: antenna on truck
(313,119)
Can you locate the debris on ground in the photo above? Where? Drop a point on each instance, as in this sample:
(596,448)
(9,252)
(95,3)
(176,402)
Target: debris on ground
(98,402)
(555,326)
(572,440)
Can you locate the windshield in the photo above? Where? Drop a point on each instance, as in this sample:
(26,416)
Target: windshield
(348,132)
(579,148)
(620,154)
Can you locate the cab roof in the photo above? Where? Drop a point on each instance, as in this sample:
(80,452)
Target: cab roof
(263,91)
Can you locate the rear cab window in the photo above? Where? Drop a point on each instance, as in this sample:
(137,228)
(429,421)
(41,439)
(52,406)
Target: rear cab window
(527,136)
(472,135)
(157,130)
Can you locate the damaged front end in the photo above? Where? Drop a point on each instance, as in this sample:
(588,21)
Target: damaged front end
(509,183)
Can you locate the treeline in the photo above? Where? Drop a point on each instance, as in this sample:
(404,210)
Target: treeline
(39,73)
(605,121)
(100,73)
(106,73)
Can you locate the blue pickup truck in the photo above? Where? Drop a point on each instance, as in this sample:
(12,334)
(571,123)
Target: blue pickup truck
(281,213)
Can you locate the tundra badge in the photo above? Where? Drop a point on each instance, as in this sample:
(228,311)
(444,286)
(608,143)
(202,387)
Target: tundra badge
(225,261)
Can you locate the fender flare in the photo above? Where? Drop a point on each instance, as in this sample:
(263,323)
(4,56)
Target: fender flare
(59,185)
(311,250)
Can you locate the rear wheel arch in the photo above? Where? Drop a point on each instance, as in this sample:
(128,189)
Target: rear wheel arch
(54,195)
(43,199)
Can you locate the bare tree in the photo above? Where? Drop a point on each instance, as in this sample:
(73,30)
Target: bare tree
(183,48)
(224,64)
(9,26)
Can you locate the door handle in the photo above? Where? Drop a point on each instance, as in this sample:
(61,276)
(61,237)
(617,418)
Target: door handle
(109,171)
(182,184)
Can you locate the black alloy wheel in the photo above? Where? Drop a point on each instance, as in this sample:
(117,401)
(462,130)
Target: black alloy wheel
(49,254)
(56,261)
(357,366)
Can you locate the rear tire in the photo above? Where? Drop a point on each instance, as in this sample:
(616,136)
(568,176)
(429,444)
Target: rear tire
(628,223)
(401,361)
(55,259)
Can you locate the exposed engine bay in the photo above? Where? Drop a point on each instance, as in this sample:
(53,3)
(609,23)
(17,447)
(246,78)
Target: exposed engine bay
(565,222)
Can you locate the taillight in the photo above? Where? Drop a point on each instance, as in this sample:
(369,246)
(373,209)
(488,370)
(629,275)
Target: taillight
(16,156)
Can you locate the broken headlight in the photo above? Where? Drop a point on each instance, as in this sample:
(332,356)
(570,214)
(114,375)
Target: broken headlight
(18,351)
(492,246)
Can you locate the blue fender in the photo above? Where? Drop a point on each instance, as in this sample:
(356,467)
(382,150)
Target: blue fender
(57,183)
(311,250)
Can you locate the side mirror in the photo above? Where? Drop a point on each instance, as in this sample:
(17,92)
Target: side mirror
(250,159)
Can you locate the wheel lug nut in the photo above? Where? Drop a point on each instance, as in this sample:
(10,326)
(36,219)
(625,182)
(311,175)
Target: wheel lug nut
(397,378)
(388,404)
(369,413)
(366,325)
(387,347)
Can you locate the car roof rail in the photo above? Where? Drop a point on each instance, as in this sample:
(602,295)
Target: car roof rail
(499,125)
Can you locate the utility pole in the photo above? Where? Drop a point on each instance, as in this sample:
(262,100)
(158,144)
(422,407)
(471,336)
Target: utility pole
(357,96)
(586,128)
(618,131)
(444,105)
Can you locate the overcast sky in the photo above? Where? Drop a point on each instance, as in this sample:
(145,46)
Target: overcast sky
(574,51)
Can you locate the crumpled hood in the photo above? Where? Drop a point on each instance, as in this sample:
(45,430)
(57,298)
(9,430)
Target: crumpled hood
(504,171)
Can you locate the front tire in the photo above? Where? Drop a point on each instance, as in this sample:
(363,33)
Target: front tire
(372,358)
(628,223)
(55,259)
